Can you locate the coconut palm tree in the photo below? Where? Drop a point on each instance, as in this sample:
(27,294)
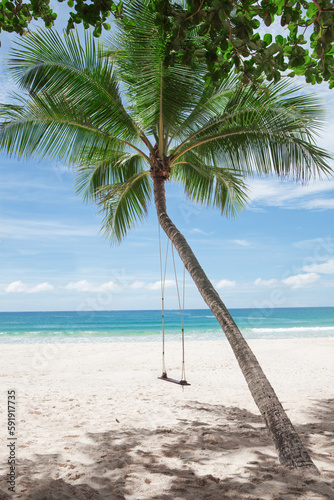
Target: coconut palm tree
(130,124)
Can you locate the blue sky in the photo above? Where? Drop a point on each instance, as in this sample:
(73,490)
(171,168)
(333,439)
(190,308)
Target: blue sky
(278,253)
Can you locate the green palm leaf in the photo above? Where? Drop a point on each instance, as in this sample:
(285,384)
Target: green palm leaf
(44,61)
(152,89)
(51,127)
(210,185)
(209,107)
(264,134)
(118,182)
(105,168)
(124,204)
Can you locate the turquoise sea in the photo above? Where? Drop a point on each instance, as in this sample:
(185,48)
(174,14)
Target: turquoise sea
(139,326)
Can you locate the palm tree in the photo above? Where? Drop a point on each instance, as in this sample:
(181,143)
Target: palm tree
(129,124)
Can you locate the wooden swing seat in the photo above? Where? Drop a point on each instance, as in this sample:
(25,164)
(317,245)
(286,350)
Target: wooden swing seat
(173,380)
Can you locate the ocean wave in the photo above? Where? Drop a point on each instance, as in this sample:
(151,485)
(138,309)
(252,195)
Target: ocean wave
(294,329)
(79,339)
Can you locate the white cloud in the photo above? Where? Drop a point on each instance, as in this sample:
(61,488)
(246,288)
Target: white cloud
(19,287)
(301,280)
(79,286)
(16,287)
(109,286)
(29,229)
(324,268)
(157,285)
(226,284)
(289,194)
(42,287)
(326,243)
(269,283)
(294,281)
(242,243)
(320,204)
(137,285)
(198,231)
(85,286)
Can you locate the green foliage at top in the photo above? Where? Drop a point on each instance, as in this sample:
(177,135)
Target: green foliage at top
(230,40)
(221,33)
(16,15)
(118,115)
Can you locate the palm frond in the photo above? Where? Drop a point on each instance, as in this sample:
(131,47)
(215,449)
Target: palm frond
(46,62)
(137,52)
(268,133)
(122,188)
(210,185)
(124,204)
(53,127)
(105,168)
(210,106)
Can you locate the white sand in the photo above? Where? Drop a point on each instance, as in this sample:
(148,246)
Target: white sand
(94,422)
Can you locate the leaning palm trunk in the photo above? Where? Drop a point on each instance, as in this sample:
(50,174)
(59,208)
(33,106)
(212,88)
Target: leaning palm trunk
(291,451)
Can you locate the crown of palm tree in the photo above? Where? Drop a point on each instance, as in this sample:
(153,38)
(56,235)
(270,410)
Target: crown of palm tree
(122,118)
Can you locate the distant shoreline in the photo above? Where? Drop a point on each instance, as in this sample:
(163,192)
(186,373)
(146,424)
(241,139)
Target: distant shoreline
(167,309)
(142,326)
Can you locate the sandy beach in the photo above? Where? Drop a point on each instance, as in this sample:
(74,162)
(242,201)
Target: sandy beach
(94,422)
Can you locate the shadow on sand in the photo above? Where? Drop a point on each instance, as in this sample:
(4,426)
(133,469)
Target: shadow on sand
(164,463)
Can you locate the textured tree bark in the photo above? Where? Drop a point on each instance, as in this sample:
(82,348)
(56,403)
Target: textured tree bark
(291,451)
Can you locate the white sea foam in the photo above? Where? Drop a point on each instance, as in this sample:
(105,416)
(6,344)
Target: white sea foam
(294,329)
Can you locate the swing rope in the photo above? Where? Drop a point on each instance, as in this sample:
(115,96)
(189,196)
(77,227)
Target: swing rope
(163,283)
(181,307)
(163,272)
